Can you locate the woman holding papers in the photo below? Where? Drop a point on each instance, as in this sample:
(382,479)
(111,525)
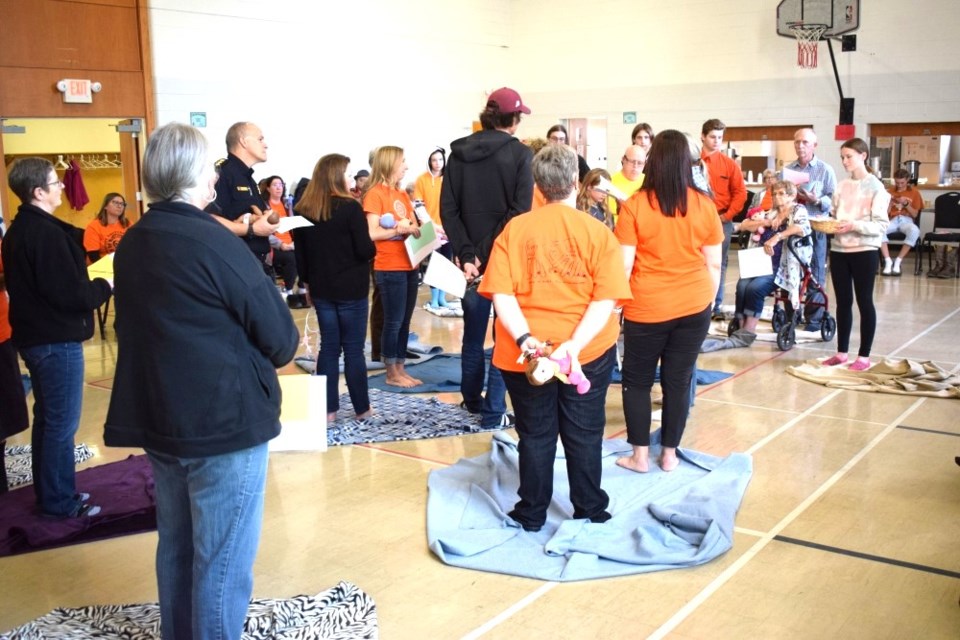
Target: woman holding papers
(333,259)
(860,206)
(671,236)
(770,230)
(104,232)
(390,219)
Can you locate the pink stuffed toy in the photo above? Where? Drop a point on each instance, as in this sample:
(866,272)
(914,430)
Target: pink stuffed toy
(543,366)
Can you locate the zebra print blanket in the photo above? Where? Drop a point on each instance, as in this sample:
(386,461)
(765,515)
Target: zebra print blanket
(17,461)
(343,612)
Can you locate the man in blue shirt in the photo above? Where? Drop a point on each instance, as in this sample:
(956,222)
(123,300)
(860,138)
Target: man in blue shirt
(817,196)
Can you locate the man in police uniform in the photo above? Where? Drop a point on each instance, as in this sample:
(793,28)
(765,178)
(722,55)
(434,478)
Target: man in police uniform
(237,192)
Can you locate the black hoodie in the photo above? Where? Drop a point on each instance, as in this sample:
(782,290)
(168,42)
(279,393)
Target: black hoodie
(487,181)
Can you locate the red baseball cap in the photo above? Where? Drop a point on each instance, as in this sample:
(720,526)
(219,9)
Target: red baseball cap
(508,101)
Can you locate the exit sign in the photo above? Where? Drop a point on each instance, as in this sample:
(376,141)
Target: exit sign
(78,91)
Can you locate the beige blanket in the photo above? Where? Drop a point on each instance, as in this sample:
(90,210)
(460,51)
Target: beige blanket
(905,377)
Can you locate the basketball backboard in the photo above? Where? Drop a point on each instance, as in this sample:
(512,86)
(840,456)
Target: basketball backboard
(839,16)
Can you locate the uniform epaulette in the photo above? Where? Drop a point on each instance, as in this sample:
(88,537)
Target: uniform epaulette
(219,162)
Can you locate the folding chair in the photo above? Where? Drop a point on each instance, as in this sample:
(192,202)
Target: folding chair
(946,227)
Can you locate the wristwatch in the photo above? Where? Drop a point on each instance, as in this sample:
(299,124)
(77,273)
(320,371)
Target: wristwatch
(249,230)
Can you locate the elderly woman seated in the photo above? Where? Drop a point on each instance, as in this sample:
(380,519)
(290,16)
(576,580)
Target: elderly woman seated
(770,230)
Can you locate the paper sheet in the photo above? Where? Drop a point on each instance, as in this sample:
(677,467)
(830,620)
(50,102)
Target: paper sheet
(292,222)
(303,414)
(796,177)
(754,262)
(446,276)
(102,268)
(420,248)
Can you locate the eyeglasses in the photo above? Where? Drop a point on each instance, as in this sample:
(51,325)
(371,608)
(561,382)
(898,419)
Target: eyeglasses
(636,163)
(55,182)
(119,203)
(558,138)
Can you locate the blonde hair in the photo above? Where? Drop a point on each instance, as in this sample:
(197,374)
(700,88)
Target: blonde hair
(584,201)
(381,169)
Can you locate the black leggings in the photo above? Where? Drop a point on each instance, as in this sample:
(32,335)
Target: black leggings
(675,344)
(854,274)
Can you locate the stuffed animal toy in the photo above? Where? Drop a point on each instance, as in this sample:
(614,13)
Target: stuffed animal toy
(542,367)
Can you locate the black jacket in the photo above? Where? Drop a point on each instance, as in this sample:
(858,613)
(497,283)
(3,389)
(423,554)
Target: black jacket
(201,331)
(237,192)
(333,257)
(51,295)
(487,181)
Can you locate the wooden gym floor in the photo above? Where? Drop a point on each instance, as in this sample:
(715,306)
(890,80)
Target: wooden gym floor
(849,528)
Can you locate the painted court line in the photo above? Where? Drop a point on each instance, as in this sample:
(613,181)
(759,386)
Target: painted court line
(757,547)
(507,613)
(924,332)
(868,556)
(936,431)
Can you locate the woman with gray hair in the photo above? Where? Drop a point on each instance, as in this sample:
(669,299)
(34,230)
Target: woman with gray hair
(201,332)
(555,275)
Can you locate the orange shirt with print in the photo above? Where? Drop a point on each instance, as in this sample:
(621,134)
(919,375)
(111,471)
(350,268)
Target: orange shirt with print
(281,211)
(669,277)
(427,188)
(104,239)
(381,199)
(556,261)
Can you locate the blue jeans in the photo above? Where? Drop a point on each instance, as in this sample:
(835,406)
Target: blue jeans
(398,290)
(751,293)
(725,254)
(818,267)
(56,371)
(209,513)
(676,345)
(343,327)
(476,319)
(557,409)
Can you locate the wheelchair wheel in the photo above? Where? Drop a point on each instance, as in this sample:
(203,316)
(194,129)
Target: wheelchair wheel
(828,328)
(733,327)
(786,337)
(779,318)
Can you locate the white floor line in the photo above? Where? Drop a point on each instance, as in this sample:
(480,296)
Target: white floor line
(789,424)
(733,569)
(519,606)
(924,332)
(750,532)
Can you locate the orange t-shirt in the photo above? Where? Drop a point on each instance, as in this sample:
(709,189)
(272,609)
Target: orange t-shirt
(281,211)
(104,239)
(669,277)
(381,199)
(556,261)
(5,331)
(427,188)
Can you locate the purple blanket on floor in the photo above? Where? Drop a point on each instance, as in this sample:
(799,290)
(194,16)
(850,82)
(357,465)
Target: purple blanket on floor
(124,490)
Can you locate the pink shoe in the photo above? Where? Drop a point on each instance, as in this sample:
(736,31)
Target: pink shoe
(860,365)
(834,361)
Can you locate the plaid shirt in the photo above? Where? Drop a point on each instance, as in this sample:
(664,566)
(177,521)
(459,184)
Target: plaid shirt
(823,182)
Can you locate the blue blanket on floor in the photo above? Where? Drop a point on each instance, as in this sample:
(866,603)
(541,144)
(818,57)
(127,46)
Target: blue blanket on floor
(660,520)
(441,373)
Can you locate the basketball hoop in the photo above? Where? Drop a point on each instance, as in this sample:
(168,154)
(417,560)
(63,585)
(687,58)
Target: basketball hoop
(808,38)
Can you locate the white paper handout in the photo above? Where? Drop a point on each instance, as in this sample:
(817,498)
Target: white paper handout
(292,222)
(796,177)
(754,262)
(446,276)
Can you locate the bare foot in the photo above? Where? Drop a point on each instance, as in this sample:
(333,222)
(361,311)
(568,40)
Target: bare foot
(366,414)
(400,381)
(641,465)
(669,460)
(416,381)
(332,417)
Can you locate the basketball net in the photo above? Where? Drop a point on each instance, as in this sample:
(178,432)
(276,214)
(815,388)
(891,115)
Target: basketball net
(808,39)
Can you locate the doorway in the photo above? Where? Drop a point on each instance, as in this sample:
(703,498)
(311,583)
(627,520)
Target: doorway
(588,137)
(104,152)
